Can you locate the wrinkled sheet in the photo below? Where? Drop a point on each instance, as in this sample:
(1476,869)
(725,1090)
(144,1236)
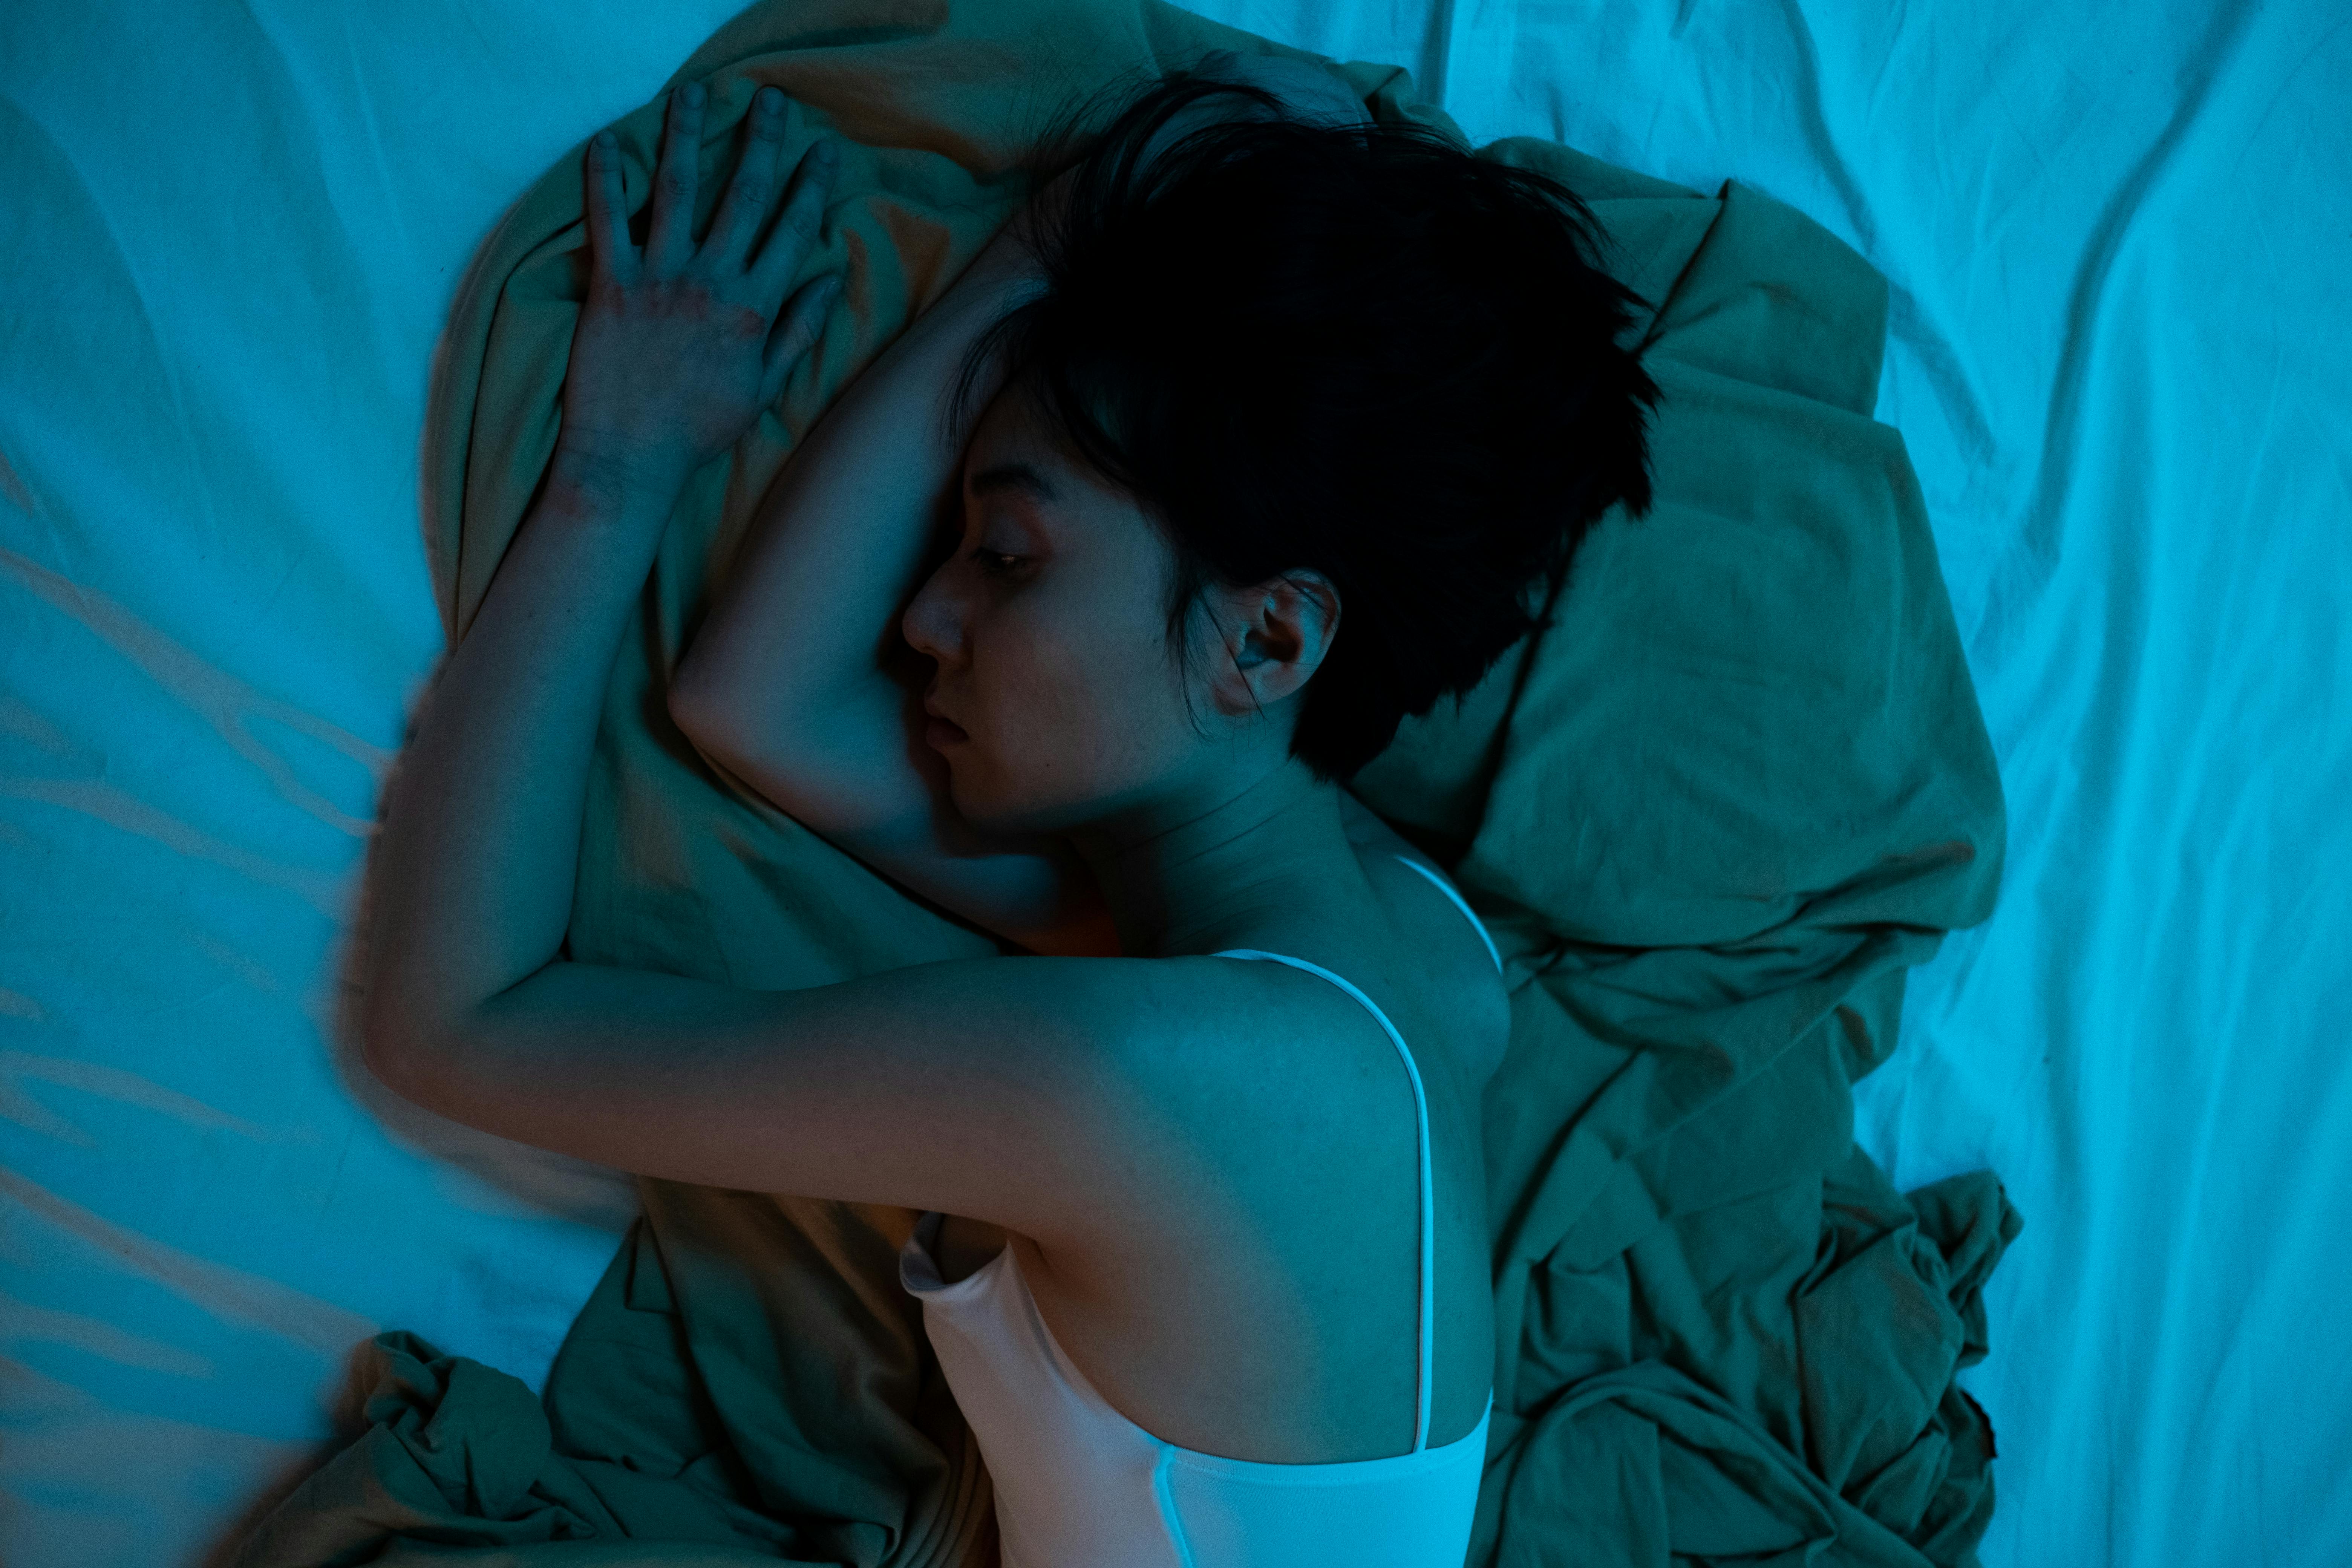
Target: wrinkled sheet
(1714,811)
(231,243)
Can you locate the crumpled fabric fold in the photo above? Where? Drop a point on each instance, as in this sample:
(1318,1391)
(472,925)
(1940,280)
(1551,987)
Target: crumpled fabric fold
(1712,814)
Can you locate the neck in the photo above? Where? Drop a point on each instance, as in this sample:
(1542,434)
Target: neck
(1200,868)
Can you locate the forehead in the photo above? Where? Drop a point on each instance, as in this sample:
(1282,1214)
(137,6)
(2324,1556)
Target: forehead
(1014,453)
(1015,479)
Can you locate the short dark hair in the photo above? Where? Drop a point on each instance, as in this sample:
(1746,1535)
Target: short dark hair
(1355,350)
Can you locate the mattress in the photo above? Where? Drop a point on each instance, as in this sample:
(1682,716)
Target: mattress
(2114,241)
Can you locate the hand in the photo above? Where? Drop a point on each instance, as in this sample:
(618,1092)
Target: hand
(679,348)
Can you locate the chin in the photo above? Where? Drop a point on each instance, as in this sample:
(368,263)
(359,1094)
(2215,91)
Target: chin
(1001,807)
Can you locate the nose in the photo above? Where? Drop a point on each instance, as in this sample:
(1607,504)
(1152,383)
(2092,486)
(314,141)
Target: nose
(933,621)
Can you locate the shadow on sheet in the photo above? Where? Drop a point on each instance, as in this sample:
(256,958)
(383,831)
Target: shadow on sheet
(1712,815)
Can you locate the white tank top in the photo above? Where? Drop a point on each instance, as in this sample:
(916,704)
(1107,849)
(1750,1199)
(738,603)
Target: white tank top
(1081,1486)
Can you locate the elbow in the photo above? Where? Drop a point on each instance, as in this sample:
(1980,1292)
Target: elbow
(389,1047)
(690,715)
(709,683)
(398,1047)
(696,712)
(687,707)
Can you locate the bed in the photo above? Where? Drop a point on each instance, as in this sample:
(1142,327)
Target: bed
(2114,259)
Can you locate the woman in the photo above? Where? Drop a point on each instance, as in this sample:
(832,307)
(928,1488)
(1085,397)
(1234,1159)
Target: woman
(1282,418)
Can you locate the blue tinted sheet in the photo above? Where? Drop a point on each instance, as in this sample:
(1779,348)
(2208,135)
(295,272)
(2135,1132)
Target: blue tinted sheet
(2117,242)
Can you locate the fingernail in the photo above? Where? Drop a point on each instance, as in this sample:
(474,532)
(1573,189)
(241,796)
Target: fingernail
(826,153)
(692,94)
(771,99)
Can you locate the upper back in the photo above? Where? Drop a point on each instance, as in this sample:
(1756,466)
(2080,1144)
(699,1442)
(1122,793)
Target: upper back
(1260,1298)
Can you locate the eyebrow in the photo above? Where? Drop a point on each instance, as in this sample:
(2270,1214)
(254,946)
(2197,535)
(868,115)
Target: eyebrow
(1013,477)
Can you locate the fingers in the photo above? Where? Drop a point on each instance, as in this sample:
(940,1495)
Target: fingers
(746,204)
(669,237)
(795,234)
(609,248)
(669,248)
(796,332)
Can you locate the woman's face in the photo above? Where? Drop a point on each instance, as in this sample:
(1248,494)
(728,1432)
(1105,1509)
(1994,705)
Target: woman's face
(1047,628)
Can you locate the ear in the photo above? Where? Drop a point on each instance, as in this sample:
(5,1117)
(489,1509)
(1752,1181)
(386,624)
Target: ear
(1275,636)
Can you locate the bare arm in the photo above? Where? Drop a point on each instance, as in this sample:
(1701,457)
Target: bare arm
(799,682)
(808,621)
(808,617)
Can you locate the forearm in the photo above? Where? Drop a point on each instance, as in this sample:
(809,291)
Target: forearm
(480,846)
(807,619)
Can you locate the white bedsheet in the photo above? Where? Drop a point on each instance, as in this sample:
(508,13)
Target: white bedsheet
(2118,242)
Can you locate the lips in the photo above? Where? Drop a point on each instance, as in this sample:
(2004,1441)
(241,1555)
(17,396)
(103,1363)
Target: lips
(942,731)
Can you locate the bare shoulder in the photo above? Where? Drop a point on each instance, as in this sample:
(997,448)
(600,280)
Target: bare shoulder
(1363,826)
(1012,1090)
(1449,959)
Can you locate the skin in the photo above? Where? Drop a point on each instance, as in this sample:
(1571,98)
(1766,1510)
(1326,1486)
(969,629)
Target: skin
(675,348)
(1077,724)
(1046,628)
(1047,631)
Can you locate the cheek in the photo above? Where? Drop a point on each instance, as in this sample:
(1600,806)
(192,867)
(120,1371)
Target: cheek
(1091,689)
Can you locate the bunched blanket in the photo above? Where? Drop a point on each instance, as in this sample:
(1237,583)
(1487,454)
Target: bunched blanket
(1712,815)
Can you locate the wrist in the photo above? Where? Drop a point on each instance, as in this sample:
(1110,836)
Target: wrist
(617,476)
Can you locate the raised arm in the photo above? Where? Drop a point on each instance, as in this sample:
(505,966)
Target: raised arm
(799,682)
(809,613)
(808,618)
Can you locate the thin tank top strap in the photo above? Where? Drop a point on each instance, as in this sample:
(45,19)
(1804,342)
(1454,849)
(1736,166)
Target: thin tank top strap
(1428,1199)
(1443,887)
